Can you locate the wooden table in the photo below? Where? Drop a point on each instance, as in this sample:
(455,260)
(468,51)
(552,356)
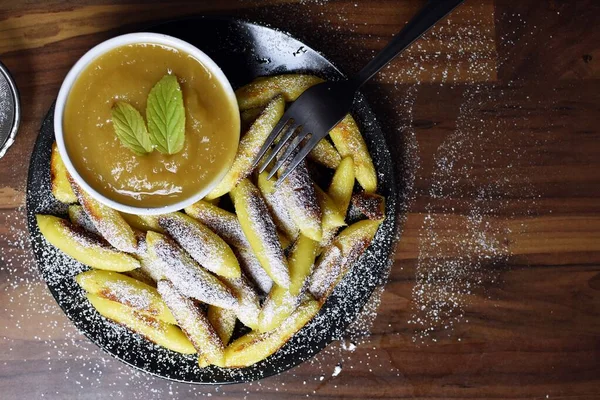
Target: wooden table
(493,119)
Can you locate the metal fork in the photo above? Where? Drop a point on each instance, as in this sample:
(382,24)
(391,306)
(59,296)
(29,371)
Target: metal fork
(321,107)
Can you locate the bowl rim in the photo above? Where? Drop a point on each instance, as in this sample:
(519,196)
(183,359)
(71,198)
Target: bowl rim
(101,49)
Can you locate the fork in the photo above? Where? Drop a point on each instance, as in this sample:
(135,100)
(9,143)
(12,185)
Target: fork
(321,107)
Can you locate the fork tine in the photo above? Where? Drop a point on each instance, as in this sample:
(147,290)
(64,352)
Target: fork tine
(307,148)
(270,139)
(293,146)
(284,139)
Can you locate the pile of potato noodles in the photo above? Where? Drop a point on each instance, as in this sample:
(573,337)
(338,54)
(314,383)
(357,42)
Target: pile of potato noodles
(183,280)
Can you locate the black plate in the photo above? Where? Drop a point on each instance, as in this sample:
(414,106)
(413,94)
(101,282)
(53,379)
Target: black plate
(244,50)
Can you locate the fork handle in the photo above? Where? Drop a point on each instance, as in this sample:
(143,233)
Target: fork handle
(428,16)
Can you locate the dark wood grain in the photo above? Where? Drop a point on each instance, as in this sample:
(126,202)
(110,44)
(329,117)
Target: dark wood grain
(518,81)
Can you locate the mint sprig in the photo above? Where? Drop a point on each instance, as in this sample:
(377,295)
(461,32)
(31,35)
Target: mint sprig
(165,114)
(130,128)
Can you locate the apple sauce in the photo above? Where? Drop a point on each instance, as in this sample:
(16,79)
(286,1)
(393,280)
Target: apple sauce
(127,73)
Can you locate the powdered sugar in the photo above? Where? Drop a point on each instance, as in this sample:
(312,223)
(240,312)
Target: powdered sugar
(142,382)
(461,252)
(128,295)
(285,304)
(248,301)
(251,267)
(266,246)
(107,221)
(277,204)
(86,369)
(327,271)
(189,278)
(221,222)
(193,322)
(79,218)
(209,250)
(249,146)
(301,201)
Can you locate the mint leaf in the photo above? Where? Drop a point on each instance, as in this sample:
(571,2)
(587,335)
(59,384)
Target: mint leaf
(130,128)
(166,115)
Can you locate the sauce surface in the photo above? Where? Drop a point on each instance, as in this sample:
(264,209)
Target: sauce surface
(128,73)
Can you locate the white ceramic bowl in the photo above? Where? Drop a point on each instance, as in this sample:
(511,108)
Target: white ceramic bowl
(83,62)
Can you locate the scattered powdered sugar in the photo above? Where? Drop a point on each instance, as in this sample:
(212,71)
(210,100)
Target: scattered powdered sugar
(221,222)
(445,279)
(79,217)
(202,244)
(464,239)
(248,307)
(326,272)
(251,267)
(107,221)
(280,303)
(189,278)
(261,225)
(336,370)
(250,145)
(82,237)
(151,266)
(300,198)
(276,203)
(125,293)
(192,321)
